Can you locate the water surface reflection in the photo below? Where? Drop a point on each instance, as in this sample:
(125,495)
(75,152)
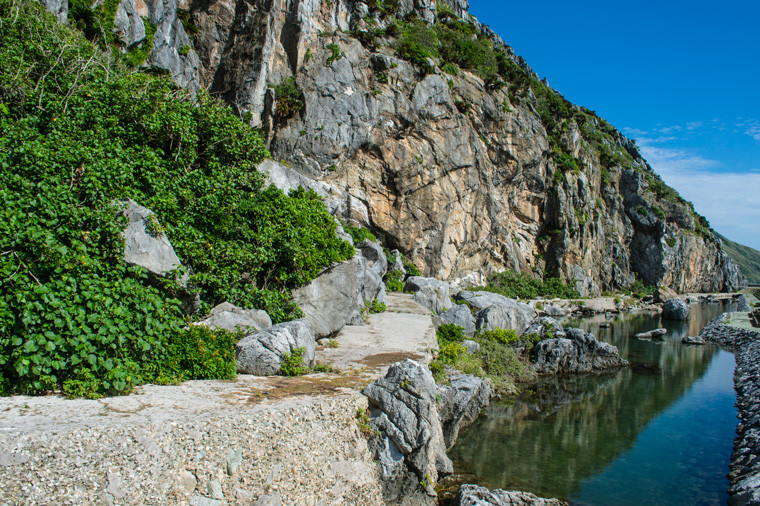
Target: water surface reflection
(564,432)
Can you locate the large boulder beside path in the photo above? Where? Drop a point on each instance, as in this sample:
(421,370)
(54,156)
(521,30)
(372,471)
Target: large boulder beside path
(261,353)
(411,450)
(336,297)
(675,309)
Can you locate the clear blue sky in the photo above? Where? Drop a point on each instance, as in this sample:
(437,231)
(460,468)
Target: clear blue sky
(682,78)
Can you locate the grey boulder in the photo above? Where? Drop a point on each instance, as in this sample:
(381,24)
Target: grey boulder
(436,299)
(460,402)
(482,300)
(59,8)
(402,406)
(472,347)
(695,340)
(335,298)
(675,309)
(416,283)
(230,317)
(145,244)
(508,314)
(742,303)
(577,353)
(552,310)
(262,352)
(459,315)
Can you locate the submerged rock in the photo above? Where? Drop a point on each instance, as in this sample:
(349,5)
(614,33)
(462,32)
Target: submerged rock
(693,340)
(652,334)
(675,309)
(579,352)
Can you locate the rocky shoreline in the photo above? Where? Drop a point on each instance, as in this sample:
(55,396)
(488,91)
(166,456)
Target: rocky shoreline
(745,459)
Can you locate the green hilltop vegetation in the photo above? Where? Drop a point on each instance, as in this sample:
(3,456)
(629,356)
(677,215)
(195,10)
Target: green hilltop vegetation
(748,259)
(79,129)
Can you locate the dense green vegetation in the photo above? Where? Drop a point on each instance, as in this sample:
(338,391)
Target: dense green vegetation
(496,359)
(523,286)
(748,259)
(79,131)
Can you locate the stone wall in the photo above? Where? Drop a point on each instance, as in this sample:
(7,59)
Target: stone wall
(745,460)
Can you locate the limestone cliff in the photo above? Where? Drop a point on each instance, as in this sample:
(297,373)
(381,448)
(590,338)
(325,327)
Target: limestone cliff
(466,172)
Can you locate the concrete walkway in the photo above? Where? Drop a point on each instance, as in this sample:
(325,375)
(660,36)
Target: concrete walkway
(405,330)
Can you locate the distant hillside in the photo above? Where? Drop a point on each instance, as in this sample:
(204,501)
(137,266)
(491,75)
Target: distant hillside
(747,258)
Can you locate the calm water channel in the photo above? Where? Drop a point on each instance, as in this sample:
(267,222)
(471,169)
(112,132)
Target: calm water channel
(660,432)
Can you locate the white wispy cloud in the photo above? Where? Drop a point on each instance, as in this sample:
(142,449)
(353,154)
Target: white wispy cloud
(729,200)
(752,128)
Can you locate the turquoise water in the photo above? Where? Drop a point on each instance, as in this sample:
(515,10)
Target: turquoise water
(660,432)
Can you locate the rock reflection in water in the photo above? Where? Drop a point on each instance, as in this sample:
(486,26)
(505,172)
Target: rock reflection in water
(564,430)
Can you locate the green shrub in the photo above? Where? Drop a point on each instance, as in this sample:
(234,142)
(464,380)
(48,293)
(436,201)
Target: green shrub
(503,336)
(449,353)
(523,286)
(501,364)
(671,241)
(411,269)
(375,307)
(359,234)
(451,68)
(288,98)
(292,363)
(659,212)
(394,281)
(73,315)
(335,53)
(448,332)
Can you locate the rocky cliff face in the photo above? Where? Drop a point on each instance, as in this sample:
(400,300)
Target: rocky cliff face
(464,173)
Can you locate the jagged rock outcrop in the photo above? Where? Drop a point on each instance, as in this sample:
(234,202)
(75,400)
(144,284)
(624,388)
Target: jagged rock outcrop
(578,353)
(465,176)
(261,353)
(460,402)
(473,495)
(411,450)
(460,193)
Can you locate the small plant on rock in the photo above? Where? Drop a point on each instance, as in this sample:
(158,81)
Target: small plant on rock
(292,363)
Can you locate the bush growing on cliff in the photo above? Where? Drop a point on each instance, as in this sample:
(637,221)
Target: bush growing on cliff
(79,131)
